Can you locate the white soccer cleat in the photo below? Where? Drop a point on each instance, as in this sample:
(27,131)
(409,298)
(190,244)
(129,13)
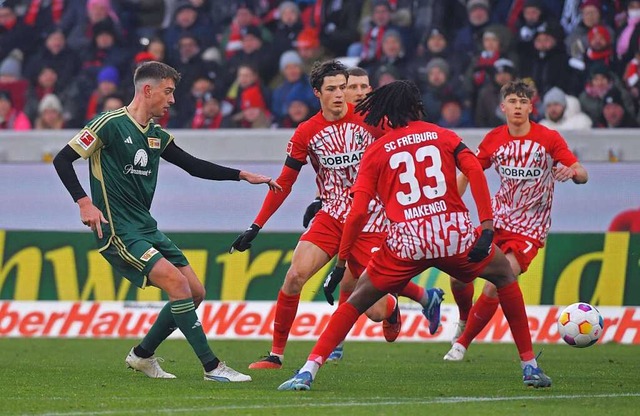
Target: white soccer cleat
(456,353)
(225,374)
(459,330)
(148,366)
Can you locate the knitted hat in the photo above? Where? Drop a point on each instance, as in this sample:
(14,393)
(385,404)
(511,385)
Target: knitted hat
(253,31)
(289,58)
(599,30)
(109,74)
(50,102)
(595,3)
(472,4)
(308,38)
(613,97)
(11,67)
(555,95)
(504,65)
(438,63)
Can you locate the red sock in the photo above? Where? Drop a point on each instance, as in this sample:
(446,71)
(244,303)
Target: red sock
(464,299)
(413,292)
(286,309)
(336,331)
(513,307)
(391,305)
(344,295)
(479,316)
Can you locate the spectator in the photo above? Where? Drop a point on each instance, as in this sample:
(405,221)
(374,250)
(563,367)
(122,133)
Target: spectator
(157,48)
(10,117)
(80,18)
(298,111)
(590,15)
(562,112)
(295,82)
(250,109)
(55,54)
(14,33)
(108,82)
(601,81)
(437,88)
(46,83)
(468,40)
(385,75)
(232,38)
(255,52)
(454,115)
(600,48)
(11,80)
(337,27)
(112,102)
(435,45)
(369,48)
(310,50)
(614,113)
(392,55)
(208,114)
(632,76)
(487,111)
(287,27)
(532,19)
(629,37)
(188,20)
(548,65)
(50,114)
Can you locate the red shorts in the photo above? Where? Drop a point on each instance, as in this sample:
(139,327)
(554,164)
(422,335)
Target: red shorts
(523,248)
(326,232)
(390,274)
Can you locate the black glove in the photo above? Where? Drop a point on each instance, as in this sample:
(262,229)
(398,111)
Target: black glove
(244,240)
(332,281)
(311,211)
(482,247)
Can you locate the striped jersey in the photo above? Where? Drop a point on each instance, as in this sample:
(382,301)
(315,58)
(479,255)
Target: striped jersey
(123,160)
(412,169)
(335,149)
(522,205)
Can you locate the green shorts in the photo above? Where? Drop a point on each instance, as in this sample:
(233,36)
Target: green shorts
(133,255)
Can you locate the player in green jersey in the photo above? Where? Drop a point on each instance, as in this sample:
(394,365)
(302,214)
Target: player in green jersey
(124,148)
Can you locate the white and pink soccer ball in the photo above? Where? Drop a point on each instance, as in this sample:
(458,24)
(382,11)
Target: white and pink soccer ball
(580,325)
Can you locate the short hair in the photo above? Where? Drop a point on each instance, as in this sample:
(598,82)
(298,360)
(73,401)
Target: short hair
(321,70)
(356,71)
(517,87)
(395,104)
(154,71)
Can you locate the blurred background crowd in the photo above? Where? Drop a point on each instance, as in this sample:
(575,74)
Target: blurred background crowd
(244,64)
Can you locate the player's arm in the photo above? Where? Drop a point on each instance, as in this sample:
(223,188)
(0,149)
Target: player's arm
(470,167)
(90,215)
(272,202)
(576,172)
(208,170)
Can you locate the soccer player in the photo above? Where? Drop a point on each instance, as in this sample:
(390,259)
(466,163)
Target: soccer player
(528,157)
(124,147)
(334,140)
(412,169)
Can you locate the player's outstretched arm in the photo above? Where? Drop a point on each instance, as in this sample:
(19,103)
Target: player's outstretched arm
(257,179)
(90,215)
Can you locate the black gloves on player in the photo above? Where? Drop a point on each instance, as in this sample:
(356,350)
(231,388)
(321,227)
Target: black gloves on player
(311,211)
(482,247)
(244,240)
(332,281)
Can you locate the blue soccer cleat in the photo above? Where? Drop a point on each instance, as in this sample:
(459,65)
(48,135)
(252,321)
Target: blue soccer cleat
(337,354)
(432,310)
(535,377)
(301,381)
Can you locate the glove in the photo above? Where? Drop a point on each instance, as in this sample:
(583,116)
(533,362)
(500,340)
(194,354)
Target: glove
(311,211)
(482,247)
(244,240)
(332,281)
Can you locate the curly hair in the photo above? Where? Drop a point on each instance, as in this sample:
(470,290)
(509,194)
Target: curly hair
(395,104)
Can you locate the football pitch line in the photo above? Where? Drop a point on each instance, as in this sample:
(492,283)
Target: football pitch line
(351,403)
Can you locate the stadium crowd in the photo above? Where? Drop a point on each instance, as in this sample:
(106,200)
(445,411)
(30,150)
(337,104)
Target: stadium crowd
(244,64)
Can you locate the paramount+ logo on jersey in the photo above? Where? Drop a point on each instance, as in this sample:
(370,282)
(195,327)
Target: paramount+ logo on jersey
(341,160)
(520,173)
(140,160)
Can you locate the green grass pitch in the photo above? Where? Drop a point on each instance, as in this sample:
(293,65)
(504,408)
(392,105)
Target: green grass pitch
(88,377)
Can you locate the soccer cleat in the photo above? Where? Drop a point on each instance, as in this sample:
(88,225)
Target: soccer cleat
(456,353)
(225,374)
(301,381)
(392,325)
(460,326)
(337,354)
(432,310)
(148,366)
(535,377)
(269,362)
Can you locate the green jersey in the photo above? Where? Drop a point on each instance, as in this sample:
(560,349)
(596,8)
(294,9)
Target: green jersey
(124,160)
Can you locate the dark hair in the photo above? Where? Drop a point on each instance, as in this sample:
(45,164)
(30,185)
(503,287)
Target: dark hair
(517,87)
(356,71)
(321,70)
(395,104)
(157,71)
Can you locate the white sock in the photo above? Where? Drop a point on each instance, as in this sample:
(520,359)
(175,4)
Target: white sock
(533,363)
(312,367)
(281,356)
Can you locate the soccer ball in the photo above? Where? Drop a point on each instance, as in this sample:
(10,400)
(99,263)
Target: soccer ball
(580,325)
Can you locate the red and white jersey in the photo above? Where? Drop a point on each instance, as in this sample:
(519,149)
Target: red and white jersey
(335,149)
(413,172)
(522,205)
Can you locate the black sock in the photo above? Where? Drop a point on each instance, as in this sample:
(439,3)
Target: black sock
(211,365)
(141,352)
